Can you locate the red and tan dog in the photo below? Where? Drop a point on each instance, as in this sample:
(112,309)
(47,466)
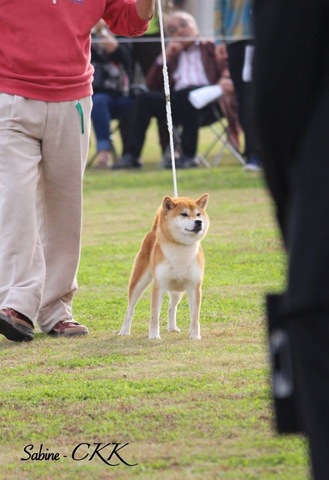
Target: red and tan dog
(171,255)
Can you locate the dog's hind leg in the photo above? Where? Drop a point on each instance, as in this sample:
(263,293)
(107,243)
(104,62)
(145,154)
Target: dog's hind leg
(157,299)
(175,298)
(138,284)
(194,297)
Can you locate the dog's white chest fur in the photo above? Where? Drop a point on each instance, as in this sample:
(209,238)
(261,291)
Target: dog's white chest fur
(179,266)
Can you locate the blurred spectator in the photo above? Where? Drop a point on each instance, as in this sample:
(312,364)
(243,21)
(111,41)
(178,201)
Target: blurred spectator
(191,64)
(234,26)
(111,99)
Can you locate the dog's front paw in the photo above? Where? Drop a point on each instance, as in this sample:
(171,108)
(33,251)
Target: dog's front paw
(195,336)
(123,332)
(174,329)
(154,336)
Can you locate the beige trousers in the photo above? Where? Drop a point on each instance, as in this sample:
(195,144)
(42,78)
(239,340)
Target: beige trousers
(43,152)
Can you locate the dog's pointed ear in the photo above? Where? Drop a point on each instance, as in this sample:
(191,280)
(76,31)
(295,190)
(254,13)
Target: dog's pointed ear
(203,201)
(168,204)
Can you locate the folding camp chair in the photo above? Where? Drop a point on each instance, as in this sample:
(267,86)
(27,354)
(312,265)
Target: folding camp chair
(213,118)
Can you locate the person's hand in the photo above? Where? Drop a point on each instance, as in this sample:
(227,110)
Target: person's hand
(173,48)
(221,52)
(227,85)
(106,40)
(99,27)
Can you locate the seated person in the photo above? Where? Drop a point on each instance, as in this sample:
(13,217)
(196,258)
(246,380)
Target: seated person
(111,99)
(191,64)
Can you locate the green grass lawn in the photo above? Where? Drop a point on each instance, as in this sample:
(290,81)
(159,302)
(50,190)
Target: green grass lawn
(186,409)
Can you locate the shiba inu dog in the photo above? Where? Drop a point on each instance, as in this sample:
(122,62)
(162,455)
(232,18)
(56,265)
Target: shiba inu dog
(171,255)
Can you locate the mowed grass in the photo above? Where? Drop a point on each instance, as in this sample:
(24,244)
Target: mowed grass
(186,409)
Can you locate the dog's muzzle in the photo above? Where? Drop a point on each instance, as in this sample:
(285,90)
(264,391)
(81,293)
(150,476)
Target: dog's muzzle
(197,226)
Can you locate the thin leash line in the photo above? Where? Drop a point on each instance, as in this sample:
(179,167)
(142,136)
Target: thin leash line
(167,96)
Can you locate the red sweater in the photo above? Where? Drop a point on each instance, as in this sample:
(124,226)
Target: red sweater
(45,44)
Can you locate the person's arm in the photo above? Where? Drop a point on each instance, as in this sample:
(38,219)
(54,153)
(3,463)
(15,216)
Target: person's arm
(129,18)
(104,37)
(173,49)
(154,79)
(145,9)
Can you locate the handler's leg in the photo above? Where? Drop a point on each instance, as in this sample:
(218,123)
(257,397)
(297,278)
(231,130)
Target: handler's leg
(64,154)
(22,269)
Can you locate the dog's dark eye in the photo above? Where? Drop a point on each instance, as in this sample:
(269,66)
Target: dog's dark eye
(184,214)
(198,214)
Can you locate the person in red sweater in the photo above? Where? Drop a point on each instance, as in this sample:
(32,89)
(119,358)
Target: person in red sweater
(45,103)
